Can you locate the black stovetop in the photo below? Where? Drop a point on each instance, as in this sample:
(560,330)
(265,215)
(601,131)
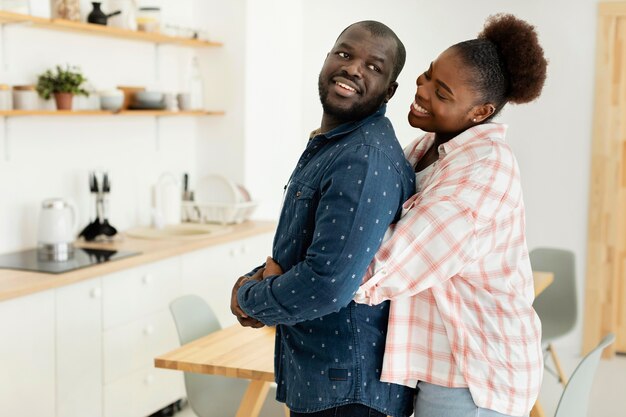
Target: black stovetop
(28,260)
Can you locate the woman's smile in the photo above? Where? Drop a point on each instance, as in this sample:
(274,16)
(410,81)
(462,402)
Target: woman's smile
(418,110)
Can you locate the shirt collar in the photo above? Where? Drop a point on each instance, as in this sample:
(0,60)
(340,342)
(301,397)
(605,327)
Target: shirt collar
(490,131)
(348,127)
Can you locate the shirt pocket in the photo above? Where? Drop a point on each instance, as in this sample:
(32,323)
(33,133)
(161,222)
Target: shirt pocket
(301,213)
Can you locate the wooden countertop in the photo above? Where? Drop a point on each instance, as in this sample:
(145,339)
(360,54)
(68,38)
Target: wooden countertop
(14,283)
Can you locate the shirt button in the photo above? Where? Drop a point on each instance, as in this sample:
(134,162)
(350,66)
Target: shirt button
(299,193)
(383,271)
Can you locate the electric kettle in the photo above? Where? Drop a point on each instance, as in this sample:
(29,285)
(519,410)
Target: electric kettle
(57,228)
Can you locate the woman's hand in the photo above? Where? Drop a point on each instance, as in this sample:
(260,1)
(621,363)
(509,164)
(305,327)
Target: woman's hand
(271,268)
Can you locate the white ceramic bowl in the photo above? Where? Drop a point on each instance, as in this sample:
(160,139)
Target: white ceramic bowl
(111,102)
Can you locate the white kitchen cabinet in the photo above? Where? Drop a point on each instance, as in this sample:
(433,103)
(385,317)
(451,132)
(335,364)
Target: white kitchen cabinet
(27,362)
(79,349)
(141,393)
(137,326)
(133,346)
(212,272)
(133,293)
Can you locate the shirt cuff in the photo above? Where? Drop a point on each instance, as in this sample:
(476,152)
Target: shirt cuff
(361,297)
(368,291)
(240,296)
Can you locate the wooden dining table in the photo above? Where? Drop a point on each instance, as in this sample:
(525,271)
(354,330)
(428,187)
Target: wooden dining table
(243,352)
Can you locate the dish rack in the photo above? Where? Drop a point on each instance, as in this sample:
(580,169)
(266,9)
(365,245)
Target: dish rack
(222,213)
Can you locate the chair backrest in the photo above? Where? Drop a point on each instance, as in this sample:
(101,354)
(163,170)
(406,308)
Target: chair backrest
(208,395)
(557,305)
(574,401)
(193,317)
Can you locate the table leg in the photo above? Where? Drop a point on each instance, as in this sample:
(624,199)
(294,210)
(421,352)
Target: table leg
(253,399)
(537,410)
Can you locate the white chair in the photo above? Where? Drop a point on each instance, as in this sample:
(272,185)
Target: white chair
(557,305)
(574,401)
(211,395)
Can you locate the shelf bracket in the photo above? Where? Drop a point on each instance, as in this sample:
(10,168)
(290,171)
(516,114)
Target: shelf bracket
(157,133)
(3,45)
(5,138)
(157,61)
(3,41)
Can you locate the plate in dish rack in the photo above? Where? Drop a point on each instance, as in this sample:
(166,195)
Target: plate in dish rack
(216,188)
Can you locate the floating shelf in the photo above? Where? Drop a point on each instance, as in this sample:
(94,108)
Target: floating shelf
(102,30)
(82,113)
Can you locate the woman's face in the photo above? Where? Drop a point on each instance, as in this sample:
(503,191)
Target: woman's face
(444,102)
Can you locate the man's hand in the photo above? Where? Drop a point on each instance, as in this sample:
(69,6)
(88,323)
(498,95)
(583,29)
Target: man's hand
(242,317)
(271,268)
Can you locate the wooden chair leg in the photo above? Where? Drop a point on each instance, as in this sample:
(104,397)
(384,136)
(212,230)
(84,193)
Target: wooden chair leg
(286,410)
(557,364)
(537,410)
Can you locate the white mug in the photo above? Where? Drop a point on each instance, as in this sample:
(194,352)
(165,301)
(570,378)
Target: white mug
(184,101)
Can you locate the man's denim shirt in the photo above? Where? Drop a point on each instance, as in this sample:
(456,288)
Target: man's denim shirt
(348,186)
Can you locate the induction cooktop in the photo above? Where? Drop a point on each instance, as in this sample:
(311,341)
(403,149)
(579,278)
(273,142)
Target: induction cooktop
(29,260)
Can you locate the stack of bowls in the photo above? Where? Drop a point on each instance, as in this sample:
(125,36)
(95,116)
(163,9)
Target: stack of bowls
(148,100)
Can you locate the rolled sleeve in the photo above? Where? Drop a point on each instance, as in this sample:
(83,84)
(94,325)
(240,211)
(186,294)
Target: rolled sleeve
(360,195)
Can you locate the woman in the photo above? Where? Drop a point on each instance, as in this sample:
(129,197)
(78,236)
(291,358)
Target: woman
(461,326)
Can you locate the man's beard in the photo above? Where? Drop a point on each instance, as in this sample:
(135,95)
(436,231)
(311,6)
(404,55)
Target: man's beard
(357,111)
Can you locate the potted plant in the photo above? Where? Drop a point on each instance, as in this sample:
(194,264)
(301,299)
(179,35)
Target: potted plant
(63,84)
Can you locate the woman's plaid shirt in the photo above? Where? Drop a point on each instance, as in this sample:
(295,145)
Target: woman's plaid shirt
(457,271)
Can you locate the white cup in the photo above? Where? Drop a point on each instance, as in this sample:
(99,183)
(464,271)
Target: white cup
(184,101)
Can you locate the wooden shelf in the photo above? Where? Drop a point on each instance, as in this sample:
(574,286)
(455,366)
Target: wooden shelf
(82,113)
(101,30)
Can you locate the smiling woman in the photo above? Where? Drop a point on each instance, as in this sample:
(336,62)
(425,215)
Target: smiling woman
(462,328)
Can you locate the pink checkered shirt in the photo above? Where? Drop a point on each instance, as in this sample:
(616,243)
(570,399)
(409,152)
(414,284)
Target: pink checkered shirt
(456,267)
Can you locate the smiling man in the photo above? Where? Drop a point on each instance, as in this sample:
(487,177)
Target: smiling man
(347,187)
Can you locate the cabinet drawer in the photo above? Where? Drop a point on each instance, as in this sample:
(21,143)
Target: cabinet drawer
(142,393)
(133,346)
(128,295)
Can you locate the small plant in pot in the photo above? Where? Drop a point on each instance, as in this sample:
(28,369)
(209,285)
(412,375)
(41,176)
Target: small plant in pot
(63,84)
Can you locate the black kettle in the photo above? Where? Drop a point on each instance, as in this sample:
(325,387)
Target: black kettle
(98,17)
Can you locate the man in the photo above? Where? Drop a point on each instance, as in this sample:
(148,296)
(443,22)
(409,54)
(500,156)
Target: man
(347,187)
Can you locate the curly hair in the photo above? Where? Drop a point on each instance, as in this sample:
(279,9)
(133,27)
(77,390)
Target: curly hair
(506,60)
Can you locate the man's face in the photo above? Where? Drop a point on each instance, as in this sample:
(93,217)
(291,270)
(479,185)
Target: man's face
(356,77)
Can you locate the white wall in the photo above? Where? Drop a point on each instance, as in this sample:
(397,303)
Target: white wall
(551,136)
(273,107)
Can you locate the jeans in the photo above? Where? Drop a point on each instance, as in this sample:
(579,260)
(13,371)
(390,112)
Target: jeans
(350,410)
(437,401)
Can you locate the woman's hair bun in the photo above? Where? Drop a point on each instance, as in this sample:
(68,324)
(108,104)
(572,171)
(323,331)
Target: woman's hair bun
(518,47)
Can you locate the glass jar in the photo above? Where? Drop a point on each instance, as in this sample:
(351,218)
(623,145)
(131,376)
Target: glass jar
(66,9)
(25,97)
(149,19)
(15,6)
(6,99)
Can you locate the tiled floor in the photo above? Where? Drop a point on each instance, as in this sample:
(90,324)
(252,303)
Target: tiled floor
(608,397)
